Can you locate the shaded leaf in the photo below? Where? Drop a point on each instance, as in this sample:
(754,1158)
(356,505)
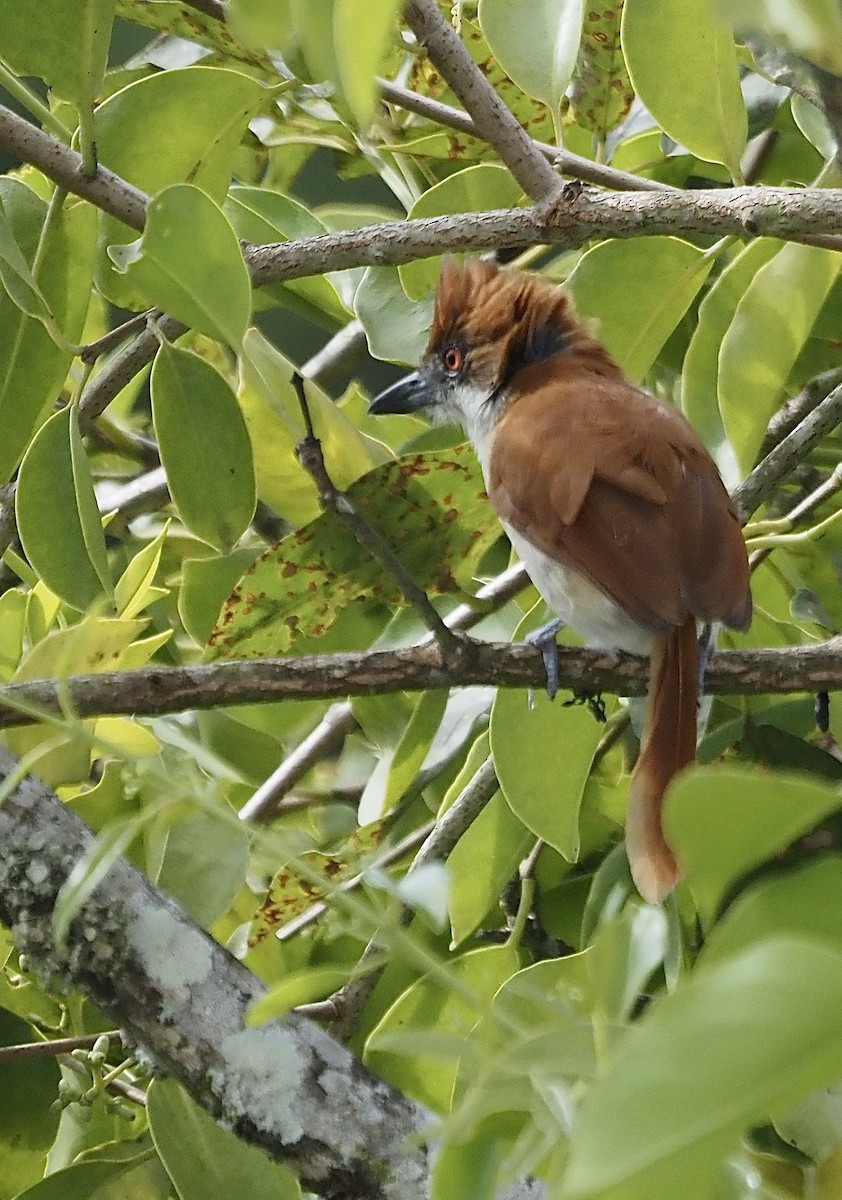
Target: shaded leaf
(188,262)
(54,504)
(203,1159)
(205,446)
(362,33)
(482,863)
(71,50)
(535,42)
(765,337)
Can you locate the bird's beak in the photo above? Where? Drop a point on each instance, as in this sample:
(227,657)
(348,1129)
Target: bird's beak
(406,396)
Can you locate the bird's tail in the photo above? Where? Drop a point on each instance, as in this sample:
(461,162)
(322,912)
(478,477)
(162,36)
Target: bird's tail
(668,744)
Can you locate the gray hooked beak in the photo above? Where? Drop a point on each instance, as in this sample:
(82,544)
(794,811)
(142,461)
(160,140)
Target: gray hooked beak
(406,396)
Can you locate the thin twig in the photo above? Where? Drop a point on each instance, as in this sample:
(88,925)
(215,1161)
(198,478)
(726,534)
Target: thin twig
(803,509)
(788,453)
(309,453)
(50,1049)
(792,411)
(570,164)
(114,337)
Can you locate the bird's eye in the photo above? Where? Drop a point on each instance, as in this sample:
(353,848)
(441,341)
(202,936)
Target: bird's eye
(453,358)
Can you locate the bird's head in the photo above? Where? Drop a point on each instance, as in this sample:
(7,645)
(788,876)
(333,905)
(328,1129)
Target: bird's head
(495,332)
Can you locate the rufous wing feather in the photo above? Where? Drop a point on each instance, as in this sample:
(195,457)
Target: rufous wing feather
(667,746)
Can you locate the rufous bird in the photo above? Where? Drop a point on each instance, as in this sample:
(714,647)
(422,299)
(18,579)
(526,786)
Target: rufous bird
(607,494)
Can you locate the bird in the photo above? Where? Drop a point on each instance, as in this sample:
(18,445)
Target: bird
(607,494)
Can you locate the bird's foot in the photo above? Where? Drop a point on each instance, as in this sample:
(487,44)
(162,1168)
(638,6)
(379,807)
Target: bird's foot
(544,640)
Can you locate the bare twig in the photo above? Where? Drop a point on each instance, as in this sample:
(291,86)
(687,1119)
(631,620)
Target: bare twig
(571,164)
(50,1049)
(495,123)
(119,334)
(788,453)
(339,720)
(797,408)
(310,455)
(802,510)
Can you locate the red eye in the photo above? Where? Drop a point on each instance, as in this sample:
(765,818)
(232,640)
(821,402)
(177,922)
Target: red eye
(453,358)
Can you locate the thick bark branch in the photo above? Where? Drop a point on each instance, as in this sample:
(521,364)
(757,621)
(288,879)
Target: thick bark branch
(154,690)
(287,1087)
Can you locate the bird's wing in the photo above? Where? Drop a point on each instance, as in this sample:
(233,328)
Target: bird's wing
(613,482)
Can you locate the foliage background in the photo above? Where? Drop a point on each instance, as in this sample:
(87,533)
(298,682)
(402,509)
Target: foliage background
(556,1024)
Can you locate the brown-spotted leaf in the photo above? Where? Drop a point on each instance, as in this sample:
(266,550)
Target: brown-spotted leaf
(292,892)
(431,508)
(601,93)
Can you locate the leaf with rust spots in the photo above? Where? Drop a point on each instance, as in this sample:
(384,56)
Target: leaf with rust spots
(290,893)
(432,510)
(601,91)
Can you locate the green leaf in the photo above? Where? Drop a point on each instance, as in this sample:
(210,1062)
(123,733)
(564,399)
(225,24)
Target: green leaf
(299,987)
(81,1181)
(135,587)
(700,373)
(476,189)
(623,957)
(431,1007)
(698,101)
(803,904)
(482,863)
(361,34)
(205,446)
(55,504)
(275,424)
(639,290)
(536,43)
(722,822)
(765,337)
(143,137)
(189,263)
(396,327)
(544,790)
(86,503)
(432,509)
(71,50)
(32,366)
(415,742)
(204,1160)
(601,93)
(27,1127)
(812,28)
(761,1031)
(204,864)
(17,279)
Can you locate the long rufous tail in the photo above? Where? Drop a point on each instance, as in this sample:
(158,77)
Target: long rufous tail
(668,744)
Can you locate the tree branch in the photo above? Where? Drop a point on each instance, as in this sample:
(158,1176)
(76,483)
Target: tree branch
(155,690)
(812,215)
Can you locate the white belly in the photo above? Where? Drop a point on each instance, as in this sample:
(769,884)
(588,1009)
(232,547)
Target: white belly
(587,610)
